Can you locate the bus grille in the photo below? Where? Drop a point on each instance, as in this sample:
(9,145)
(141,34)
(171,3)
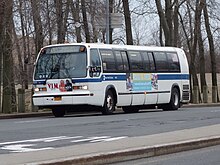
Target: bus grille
(186,93)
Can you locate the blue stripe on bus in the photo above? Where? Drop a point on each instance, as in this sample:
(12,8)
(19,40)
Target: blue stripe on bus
(122,78)
(173,76)
(103,78)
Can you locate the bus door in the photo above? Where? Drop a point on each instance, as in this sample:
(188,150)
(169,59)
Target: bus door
(137,77)
(95,81)
(151,78)
(125,86)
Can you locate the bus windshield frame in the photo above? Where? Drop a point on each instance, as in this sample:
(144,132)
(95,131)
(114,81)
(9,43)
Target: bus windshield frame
(60,65)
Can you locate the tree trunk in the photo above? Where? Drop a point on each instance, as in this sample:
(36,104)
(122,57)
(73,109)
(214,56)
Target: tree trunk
(169,20)
(111,4)
(127,16)
(37,25)
(75,13)
(85,21)
(23,70)
(202,60)
(8,82)
(49,22)
(163,23)
(176,25)
(212,54)
(59,18)
(2,6)
(197,25)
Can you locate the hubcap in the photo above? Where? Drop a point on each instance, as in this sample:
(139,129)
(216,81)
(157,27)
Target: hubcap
(176,99)
(109,102)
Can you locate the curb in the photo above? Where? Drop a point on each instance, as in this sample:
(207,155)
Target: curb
(201,105)
(25,115)
(137,153)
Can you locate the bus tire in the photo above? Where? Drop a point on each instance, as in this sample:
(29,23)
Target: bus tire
(174,103)
(130,109)
(109,104)
(58,112)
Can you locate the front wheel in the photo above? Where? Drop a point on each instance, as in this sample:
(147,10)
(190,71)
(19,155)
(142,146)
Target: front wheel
(58,112)
(109,104)
(174,103)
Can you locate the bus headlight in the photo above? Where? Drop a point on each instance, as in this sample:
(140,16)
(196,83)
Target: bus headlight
(85,87)
(40,89)
(82,87)
(36,89)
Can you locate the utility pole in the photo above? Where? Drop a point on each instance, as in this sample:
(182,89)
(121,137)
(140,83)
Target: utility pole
(107,21)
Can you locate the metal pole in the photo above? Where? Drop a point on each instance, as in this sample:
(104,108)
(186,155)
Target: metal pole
(107,21)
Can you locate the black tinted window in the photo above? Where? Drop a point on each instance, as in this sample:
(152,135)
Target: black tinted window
(108,60)
(173,61)
(136,61)
(161,61)
(148,61)
(122,61)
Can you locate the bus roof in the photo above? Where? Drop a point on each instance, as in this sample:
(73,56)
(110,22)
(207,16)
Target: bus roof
(114,46)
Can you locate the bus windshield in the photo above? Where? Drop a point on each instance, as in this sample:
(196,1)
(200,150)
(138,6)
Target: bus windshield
(61,65)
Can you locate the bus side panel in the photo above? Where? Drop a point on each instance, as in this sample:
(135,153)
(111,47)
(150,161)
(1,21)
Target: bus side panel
(97,89)
(164,88)
(124,95)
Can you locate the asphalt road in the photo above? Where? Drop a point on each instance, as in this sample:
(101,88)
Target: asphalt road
(33,134)
(205,156)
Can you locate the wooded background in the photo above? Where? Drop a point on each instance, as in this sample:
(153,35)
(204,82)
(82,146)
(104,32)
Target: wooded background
(28,25)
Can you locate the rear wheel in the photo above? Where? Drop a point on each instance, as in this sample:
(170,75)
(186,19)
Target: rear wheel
(109,105)
(58,112)
(174,103)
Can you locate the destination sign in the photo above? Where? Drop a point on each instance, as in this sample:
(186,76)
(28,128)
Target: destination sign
(65,49)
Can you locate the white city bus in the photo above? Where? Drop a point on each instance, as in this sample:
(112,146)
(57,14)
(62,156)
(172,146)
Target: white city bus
(68,76)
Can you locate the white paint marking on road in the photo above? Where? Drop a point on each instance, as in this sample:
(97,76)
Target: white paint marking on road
(19,146)
(23,148)
(215,111)
(90,139)
(62,138)
(108,139)
(50,139)
(30,121)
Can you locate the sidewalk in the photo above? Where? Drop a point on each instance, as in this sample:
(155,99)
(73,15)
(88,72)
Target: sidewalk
(119,150)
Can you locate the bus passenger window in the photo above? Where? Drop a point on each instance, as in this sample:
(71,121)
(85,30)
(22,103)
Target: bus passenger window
(108,60)
(173,62)
(161,61)
(122,61)
(135,61)
(148,61)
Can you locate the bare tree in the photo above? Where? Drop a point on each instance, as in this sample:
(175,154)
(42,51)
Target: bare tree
(62,12)
(169,21)
(2,8)
(37,25)
(9,99)
(202,66)
(127,16)
(75,9)
(212,54)
(85,21)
